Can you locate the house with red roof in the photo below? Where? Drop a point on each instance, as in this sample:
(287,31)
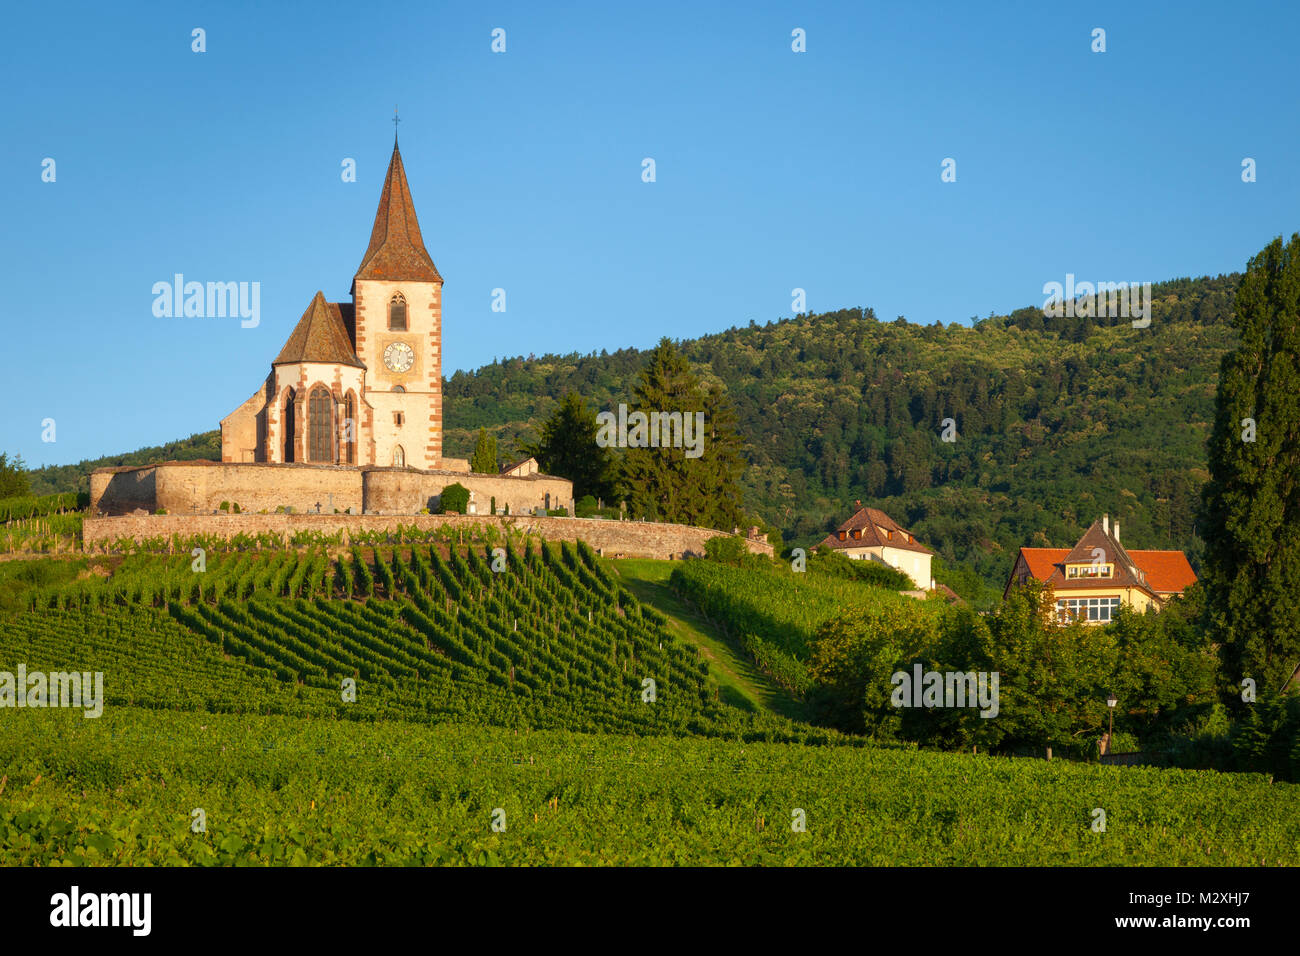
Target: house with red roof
(1098,574)
(871,535)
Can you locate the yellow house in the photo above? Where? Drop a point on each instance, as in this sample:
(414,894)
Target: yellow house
(1097,575)
(871,535)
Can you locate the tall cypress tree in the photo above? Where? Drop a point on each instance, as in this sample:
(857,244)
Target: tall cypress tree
(1251,507)
(663,484)
(485,454)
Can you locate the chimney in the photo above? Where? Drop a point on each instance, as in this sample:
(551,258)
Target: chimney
(857,504)
(1116,532)
(1105,523)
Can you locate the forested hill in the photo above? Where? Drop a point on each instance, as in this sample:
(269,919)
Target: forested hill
(1058,420)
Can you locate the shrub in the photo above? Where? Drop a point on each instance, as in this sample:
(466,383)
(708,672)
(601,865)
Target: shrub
(454,499)
(224,506)
(726,548)
(867,571)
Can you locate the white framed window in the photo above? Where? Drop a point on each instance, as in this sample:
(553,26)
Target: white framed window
(1089,570)
(1094,610)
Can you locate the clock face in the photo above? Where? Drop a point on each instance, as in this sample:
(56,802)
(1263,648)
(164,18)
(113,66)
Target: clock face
(398,357)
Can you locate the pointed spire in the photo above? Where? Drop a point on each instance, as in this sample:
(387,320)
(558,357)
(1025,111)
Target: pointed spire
(396,248)
(319,336)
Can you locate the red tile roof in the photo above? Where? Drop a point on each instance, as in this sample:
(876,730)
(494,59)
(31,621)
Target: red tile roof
(1166,571)
(396,248)
(1158,572)
(1042,561)
(319,336)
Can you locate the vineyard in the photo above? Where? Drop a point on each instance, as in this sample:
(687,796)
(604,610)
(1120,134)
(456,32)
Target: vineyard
(775,612)
(273,790)
(388,704)
(547,640)
(46,524)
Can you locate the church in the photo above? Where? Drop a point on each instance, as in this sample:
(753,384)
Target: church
(350,418)
(360,382)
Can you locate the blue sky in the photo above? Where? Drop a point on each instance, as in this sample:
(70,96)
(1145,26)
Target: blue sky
(775,170)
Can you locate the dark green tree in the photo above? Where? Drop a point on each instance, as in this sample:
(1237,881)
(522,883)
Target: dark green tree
(1251,513)
(484,461)
(567,448)
(697,483)
(13,476)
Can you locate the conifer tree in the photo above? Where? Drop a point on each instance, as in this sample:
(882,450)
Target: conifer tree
(485,454)
(567,448)
(1251,506)
(13,478)
(664,484)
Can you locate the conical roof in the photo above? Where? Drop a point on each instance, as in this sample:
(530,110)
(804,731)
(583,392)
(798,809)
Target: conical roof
(396,248)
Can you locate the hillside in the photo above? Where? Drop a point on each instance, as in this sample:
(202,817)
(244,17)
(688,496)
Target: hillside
(550,640)
(499,718)
(1058,420)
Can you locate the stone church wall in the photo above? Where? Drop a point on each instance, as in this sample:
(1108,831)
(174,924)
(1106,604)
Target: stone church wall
(189,488)
(520,494)
(633,539)
(123,490)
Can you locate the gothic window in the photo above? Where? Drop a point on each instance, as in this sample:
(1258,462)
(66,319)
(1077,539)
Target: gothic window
(398,388)
(397,313)
(399,457)
(320,425)
(350,429)
(290,427)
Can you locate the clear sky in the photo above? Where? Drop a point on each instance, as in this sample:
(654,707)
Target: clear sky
(775,170)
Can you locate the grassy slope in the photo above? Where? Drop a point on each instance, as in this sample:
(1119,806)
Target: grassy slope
(742,683)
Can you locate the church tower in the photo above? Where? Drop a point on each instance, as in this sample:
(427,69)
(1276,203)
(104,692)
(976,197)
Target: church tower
(397,332)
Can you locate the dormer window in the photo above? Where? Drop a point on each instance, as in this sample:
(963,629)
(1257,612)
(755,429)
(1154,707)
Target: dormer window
(397,313)
(843,535)
(1089,570)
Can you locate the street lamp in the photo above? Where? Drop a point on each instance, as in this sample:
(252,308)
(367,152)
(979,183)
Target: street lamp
(1111,701)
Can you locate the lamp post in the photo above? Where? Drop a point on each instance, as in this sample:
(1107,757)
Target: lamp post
(1111,701)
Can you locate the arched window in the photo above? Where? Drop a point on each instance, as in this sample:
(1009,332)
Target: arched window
(290,427)
(320,425)
(398,388)
(349,438)
(399,457)
(397,313)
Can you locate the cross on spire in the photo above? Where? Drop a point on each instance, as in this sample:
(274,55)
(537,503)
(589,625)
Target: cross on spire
(396,119)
